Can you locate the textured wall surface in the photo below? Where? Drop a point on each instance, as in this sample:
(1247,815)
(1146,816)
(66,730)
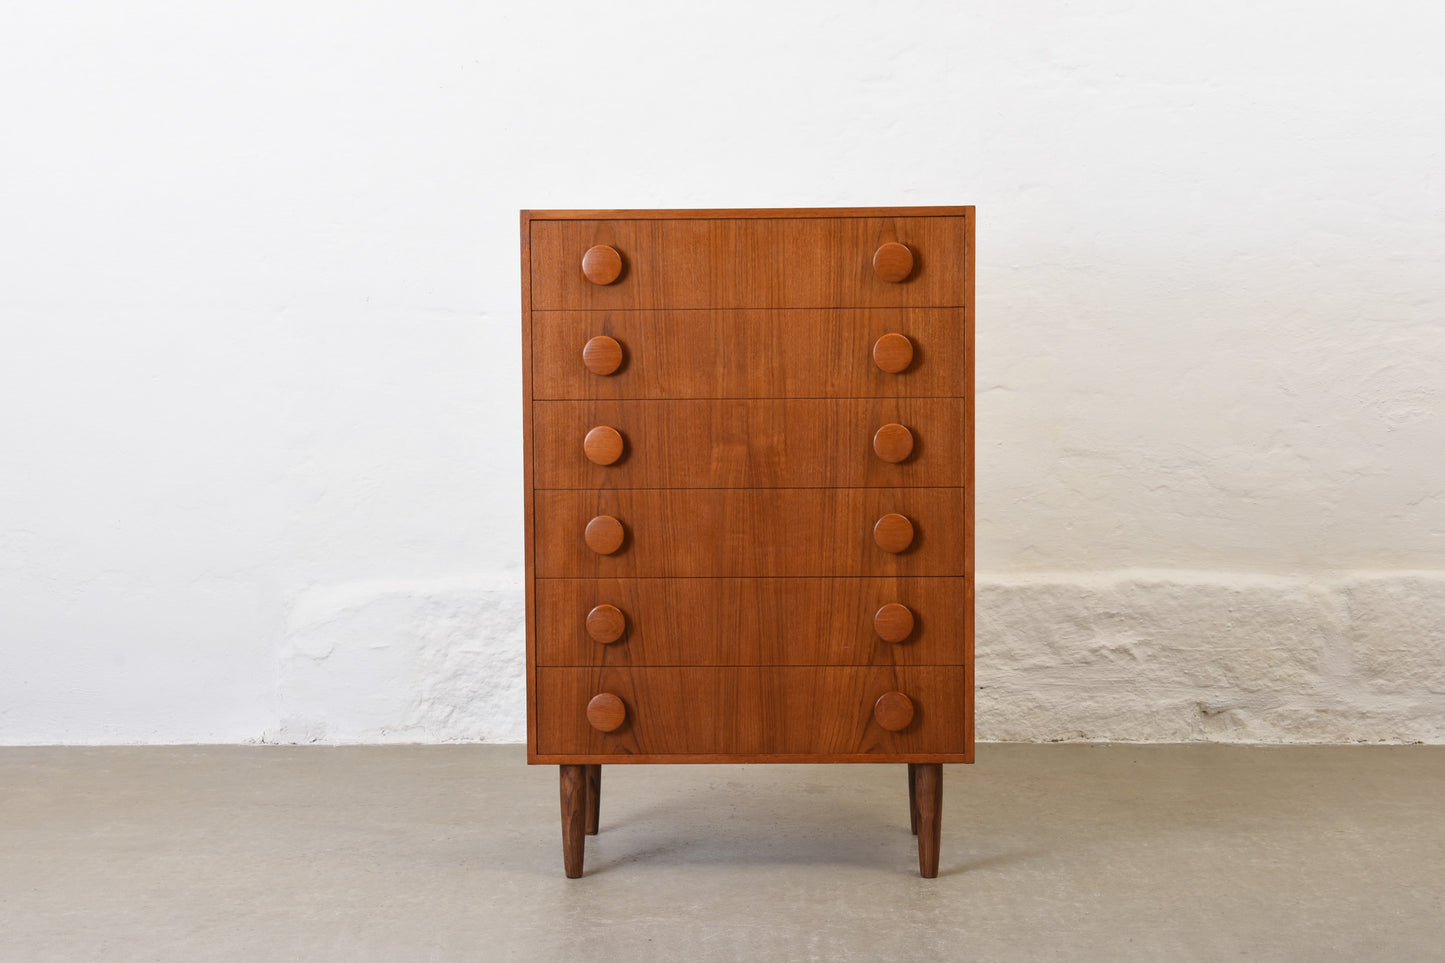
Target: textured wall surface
(1186,656)
(260,399)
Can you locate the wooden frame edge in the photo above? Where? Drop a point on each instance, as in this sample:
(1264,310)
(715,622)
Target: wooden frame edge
(723,213)
(970,417)
(529,545)
(743,759)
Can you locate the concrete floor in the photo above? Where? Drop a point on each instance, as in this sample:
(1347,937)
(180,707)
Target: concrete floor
(439,853)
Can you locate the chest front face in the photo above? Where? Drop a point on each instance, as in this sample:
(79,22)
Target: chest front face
(749,460)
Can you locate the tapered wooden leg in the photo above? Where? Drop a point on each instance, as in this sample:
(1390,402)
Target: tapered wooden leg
(913,797)
(594,797)
(930,817)
(574,818)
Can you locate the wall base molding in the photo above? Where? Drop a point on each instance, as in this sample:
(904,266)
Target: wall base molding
(1131,656)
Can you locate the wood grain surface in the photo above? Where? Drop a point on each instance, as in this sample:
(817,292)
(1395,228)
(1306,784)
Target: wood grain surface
(603,534)
(893,711)
(913,797)
(573,784)
(601,355)
(594,798)
(749,621)
(748,263)
(928,796)
(725,532)
(749,354)
(893,262)
(607,623)
(894,443)
(752,711)
(744,443)
(606,712)
(601,445)
(893,352)
(601,264)
(529,541)
(739,356)
(895,533)
(895,622)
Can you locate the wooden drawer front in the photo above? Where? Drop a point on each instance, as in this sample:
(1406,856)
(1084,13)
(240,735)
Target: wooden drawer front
(755,710)
(748,444)
(749,354)
(753,263)
(750,621)
(732,532)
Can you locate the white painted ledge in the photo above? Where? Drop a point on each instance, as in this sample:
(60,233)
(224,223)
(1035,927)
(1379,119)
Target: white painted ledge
(1119,656)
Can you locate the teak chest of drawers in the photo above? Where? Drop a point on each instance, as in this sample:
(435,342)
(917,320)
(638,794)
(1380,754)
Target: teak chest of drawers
(749,482)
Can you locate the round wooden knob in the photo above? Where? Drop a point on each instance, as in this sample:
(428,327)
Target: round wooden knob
(606,623)
(893,353)
(893,443)
(602,355)
(602,264)
(893,533)
(893,711)
(893,262)
(606,712)
(603,445)
(604,535)
(893,622)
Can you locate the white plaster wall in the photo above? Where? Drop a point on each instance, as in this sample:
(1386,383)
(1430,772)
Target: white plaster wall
(259,391)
